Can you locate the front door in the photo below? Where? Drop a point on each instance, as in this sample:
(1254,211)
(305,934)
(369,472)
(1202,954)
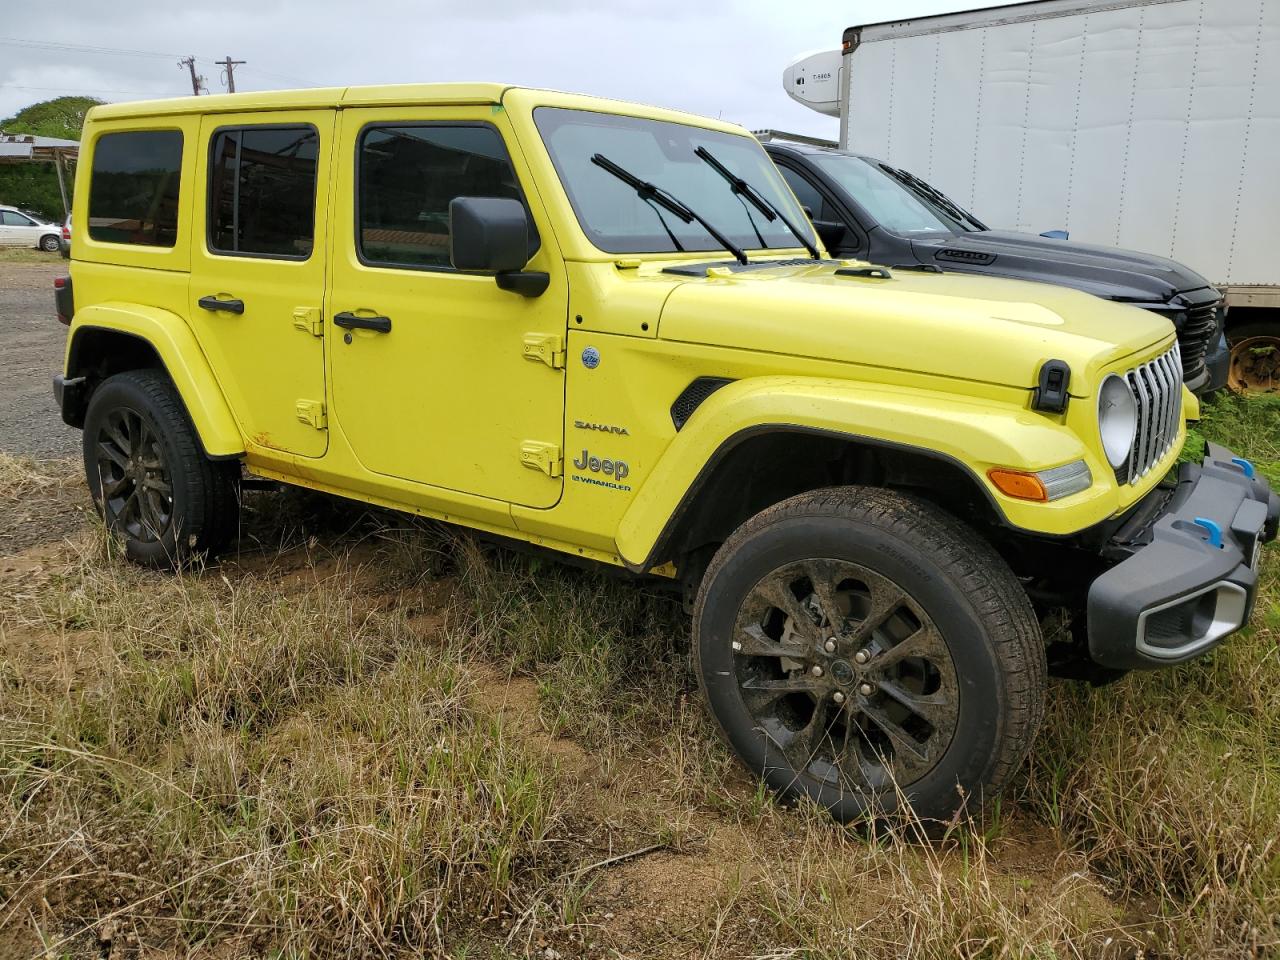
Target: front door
(459,384)
(258,250)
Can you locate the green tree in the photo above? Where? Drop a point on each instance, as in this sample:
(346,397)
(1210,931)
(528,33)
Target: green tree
(61,117)
(34,186)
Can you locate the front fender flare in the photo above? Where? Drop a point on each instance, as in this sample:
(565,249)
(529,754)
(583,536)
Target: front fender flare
(184,361)
(975,434)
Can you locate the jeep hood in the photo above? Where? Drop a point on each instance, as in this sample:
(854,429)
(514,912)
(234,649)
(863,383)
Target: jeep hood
(972,328)
(1103,271)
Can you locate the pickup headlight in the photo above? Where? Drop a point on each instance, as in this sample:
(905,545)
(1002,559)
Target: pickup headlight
(1117,420)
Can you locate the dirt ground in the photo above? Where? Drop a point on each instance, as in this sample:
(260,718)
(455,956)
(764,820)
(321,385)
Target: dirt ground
(31,354)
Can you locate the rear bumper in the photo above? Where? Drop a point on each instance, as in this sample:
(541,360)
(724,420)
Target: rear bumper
(72,396)
(1193,581)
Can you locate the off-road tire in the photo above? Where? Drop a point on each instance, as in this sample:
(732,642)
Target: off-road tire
(951,575)
(202,499)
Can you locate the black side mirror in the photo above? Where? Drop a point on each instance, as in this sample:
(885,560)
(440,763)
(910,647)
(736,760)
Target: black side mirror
(832,232)
(491,235)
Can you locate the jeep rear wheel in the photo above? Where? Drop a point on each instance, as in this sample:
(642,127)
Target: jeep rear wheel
(147,474)
(859,647)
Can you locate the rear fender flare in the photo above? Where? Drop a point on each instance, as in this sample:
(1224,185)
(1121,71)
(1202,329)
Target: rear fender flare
(180,354)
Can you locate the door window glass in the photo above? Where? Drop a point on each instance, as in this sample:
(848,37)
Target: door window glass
(262,191)
(133,187)
(406,177)
(805,192)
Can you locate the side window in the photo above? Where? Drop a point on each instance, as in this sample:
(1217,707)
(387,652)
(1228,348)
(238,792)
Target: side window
(10,219)
(262,191)
(805,192)
(133,187)
(406,175)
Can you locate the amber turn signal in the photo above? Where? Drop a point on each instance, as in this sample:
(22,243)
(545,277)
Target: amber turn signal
(1023,486)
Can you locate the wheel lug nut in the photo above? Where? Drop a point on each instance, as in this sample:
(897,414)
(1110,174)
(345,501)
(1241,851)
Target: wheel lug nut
(830,645)
(861,656)
(838,697)
(816,671)
(866,689)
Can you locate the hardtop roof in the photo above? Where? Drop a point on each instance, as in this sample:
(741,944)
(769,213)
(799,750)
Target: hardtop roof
(390,95)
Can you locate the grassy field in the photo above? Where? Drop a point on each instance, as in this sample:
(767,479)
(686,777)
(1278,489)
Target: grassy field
(365,737)
(26,255)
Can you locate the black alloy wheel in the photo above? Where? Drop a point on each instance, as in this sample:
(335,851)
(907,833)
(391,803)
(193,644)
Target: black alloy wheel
(149,477)
(137,492)
(865,649)
(847,674)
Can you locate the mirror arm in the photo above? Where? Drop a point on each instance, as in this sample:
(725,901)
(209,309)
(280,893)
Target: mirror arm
(527,283)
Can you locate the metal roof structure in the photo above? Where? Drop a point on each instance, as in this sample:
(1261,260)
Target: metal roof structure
(27,148)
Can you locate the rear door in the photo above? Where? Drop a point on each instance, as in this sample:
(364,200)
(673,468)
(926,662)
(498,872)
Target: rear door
(258,249)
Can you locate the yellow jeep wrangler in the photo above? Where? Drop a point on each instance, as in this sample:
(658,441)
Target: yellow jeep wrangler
(609,330)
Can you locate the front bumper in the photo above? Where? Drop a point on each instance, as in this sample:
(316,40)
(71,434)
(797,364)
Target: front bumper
(1217,362)
(1191,577)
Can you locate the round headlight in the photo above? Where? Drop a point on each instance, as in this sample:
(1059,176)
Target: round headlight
(1117,419)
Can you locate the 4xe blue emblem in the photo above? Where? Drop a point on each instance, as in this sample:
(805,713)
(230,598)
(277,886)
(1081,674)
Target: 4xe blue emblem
(590,358)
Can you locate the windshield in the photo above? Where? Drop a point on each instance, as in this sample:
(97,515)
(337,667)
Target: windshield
(618,220)
(896,208)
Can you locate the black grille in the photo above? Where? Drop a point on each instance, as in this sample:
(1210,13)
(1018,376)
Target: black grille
(1194,338)
(692,396)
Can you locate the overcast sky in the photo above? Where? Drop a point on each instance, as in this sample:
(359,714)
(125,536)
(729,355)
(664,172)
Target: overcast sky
(714,58)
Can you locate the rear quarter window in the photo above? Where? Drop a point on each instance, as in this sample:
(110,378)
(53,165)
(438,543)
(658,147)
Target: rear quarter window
(134,187)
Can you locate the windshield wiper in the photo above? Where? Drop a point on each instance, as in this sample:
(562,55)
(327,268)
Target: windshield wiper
(934,195)
(652,192)
(749,193)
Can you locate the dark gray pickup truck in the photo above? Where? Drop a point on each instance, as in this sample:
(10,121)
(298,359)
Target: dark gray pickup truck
(868,210)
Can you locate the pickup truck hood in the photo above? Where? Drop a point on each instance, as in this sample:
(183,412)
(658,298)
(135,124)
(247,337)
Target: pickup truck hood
(1108,272)
(973,328)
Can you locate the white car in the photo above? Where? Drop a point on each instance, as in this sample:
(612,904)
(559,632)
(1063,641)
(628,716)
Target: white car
(21,229)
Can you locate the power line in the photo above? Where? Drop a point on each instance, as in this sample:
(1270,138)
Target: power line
(65,47)
(83,48)
(78,89)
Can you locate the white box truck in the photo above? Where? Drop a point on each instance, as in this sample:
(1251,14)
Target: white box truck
(1147,124)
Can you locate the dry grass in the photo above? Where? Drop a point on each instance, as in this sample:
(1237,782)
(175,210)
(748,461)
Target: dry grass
(20,477)
(365,737)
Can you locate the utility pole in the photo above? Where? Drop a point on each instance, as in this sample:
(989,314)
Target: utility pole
(197,82)
(229,68)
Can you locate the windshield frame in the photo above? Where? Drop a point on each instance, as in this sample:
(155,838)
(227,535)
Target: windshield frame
(658,243)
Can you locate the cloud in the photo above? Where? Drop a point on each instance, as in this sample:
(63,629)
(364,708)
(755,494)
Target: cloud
(718,59)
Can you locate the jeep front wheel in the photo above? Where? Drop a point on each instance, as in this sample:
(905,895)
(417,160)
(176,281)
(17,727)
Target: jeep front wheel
(861,647)
(148,475)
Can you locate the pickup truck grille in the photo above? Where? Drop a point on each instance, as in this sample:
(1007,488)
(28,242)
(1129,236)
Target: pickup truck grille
(1157,387)
(1194,338)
